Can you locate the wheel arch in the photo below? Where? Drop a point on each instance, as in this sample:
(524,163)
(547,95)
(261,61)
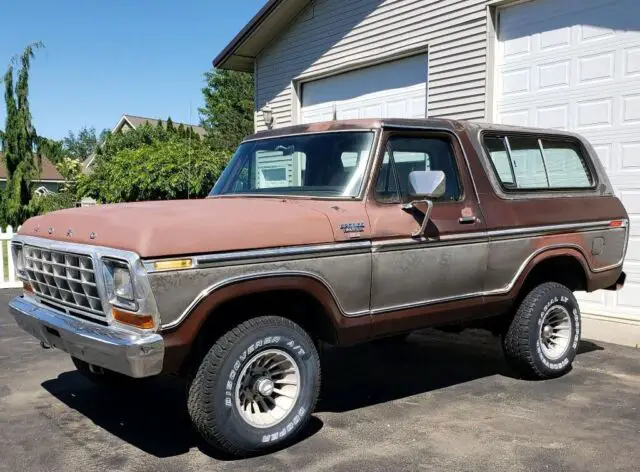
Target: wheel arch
(565,265)
(302,298)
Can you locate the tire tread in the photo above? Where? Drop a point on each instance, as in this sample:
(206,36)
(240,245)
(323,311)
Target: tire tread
(516,339)
(199,403)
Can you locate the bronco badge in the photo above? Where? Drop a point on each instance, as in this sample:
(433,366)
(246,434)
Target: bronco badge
(352,227)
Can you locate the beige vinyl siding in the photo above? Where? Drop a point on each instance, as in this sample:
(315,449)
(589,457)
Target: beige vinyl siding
(336,36)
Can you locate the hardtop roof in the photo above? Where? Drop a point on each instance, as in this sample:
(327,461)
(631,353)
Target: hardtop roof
(408,123)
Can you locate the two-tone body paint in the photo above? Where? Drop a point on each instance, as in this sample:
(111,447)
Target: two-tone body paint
(471,262)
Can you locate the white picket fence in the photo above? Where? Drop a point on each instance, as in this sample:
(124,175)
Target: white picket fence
(7,272)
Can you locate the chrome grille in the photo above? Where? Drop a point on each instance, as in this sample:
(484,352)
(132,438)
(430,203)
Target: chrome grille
(66,278)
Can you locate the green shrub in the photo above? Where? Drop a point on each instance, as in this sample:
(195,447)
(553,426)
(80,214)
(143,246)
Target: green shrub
(42,204)
(159,171)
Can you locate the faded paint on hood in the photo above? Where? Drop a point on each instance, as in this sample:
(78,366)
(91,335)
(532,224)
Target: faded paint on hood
(171,228)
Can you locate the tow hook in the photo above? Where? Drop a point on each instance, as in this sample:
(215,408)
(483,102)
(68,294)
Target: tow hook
(45,345)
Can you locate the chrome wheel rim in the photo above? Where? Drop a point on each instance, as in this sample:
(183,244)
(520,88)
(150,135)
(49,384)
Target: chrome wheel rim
(267,388)
(556,332)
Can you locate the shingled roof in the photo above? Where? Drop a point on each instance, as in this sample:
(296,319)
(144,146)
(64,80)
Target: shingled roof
(49,171)
(136,121)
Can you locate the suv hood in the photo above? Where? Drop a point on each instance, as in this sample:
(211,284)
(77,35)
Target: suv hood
(172,228)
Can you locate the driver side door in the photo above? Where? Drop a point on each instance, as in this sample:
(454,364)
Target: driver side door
(421,281)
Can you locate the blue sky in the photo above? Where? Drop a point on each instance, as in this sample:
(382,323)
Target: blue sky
(104,59)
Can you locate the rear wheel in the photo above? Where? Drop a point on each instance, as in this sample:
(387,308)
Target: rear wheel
(256,388)
(542,339)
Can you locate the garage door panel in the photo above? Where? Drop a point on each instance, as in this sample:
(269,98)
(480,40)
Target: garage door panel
(575,65)
(554,116)
(395,89)
(603,150)
(630,156)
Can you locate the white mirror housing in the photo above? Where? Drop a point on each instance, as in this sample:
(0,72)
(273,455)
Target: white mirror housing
(427,183)
(424,185)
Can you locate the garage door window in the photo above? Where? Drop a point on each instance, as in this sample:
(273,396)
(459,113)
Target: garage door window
(530,162)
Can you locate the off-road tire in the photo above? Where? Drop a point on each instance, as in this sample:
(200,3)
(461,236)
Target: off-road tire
(106,378)
(522,342)
(212,391)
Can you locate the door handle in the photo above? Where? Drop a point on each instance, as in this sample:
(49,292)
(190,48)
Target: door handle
(467,220)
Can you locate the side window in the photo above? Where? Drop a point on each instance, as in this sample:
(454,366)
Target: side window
(387,183)
(500,158)
(529,162)
(408,154)
(565,165)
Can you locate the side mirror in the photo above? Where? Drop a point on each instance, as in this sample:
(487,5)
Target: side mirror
(425,184)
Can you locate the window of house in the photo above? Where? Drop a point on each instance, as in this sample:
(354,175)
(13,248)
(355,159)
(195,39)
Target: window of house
(407,154)
(528,162)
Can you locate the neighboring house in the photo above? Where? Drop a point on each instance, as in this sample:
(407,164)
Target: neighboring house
(561,64)
(129,122)
(50,179)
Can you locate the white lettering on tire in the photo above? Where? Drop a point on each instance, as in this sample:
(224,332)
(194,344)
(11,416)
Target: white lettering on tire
(238,363)
(576,338)
(286,429)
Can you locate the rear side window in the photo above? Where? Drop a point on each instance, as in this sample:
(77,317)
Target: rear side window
(565,165)
(526,162)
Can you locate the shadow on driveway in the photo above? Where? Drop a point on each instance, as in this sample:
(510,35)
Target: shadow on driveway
(153,416)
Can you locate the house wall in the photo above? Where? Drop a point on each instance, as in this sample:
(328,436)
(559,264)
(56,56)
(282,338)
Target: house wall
(332,36)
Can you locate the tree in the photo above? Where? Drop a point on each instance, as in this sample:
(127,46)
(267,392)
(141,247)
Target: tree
(19,141)
(132,139)
(103,135)
(83,144)
(228,112)
(71,170)
(158,170)
(52,149)
(170,127)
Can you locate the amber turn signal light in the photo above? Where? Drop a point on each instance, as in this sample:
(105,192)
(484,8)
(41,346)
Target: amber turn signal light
(139,321)
(175,264)
(616,223)
(27,288)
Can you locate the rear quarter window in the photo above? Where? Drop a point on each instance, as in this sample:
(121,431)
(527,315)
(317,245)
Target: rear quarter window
(526,162)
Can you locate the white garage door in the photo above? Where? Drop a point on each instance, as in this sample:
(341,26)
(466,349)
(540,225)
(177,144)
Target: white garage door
(575,64)
(395,89)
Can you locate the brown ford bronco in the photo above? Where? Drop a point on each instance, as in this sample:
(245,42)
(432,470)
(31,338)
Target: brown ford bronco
(335,233)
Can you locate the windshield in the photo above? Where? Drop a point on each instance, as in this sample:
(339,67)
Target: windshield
(322,165)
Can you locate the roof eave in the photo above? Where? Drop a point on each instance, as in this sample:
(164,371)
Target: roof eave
(240,53)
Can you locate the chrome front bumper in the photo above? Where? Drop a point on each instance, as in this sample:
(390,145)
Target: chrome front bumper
(132,354)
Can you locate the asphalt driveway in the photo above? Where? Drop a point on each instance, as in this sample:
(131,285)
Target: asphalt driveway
(437,402)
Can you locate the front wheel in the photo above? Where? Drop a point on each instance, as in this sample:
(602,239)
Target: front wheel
(542,339)
(257,386)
